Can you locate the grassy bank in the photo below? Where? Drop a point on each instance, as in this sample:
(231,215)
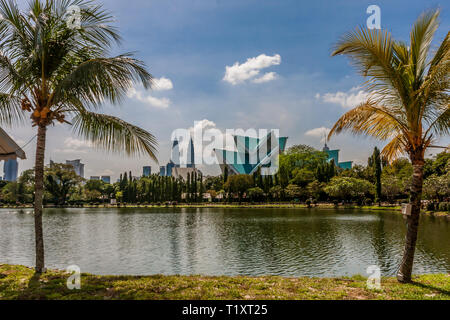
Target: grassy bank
(18,282)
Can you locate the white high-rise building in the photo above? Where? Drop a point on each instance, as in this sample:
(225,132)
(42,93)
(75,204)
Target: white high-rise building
(77,166)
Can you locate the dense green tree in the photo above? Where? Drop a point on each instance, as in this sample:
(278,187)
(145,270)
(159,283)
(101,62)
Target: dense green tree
(349,188)
(255,194)
(293,191)
(238,184)
(302,177)
(276,192)
(376,165)
(59,181)
(440,163)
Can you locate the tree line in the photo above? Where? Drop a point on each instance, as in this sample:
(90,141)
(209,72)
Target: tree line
(305,175)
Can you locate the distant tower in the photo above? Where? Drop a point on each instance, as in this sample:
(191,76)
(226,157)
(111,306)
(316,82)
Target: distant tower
(147,171)
(169,168)
(77,166)
(175,156)
(191,155)
(10,170)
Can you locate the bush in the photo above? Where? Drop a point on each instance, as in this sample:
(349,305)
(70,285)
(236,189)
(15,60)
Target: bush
(368,202)
(431,206)
(443,206)
(308,203)
(335,202)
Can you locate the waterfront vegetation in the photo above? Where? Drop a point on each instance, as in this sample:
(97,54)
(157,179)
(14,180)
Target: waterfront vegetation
(18,282)
(305,179)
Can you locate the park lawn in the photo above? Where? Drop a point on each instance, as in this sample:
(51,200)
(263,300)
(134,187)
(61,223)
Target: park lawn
(19,282)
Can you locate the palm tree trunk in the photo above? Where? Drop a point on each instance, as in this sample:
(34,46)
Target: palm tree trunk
(38,197)
(412,223)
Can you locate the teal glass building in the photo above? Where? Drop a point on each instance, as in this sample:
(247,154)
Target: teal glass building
(251,153)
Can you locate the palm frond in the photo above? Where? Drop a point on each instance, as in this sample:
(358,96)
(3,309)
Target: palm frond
(421,37)
(394,149)
(98,79)
(10,110)
(372,53)
(113,134)
(369,119)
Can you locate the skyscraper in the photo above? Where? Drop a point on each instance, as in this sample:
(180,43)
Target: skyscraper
(191,155)
(147,171)
(77,166)
(175,155)
(169,168)
(10,170)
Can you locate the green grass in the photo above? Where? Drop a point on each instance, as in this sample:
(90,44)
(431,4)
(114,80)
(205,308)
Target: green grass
(19,282)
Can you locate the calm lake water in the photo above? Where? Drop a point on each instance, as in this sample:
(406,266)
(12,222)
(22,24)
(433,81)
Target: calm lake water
(287,242)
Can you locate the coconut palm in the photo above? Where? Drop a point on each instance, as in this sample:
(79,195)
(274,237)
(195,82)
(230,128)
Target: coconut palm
(55,67)
(407,105)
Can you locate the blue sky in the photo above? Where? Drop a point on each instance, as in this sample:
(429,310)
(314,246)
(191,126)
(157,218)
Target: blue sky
(191,42)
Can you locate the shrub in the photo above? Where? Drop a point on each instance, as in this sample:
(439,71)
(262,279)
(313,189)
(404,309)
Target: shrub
(443,206)
(430,206)
(368,202)
(308,203)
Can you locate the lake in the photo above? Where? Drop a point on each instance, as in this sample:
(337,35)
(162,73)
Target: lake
(286,242)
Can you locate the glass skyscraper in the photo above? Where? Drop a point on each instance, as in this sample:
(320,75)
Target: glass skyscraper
(10,170)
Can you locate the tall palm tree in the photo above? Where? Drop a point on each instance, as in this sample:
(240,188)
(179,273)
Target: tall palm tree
(408,103)
(54,69)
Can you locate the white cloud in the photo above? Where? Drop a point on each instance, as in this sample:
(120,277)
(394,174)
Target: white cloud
(269,76)
(72,145)
(76,143)
(321,133)
(318,132)
(250,69)
(162,84)
(346,100)
(162,103)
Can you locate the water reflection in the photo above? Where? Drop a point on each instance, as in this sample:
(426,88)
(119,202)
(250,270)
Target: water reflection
(288,242)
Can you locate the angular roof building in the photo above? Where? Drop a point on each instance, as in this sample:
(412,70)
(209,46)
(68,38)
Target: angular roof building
(251,153)
(334,155)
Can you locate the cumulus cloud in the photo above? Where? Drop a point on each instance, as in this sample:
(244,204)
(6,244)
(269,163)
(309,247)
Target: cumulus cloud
(162,84)
(269,76)
(346,100)
(162,103)
(239,73)
(321,133)
(72,145)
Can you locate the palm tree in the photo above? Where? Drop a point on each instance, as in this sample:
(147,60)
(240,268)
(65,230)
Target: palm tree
(54,70)
(408,102)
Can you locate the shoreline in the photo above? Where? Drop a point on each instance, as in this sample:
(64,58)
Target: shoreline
(21,283)
(328,206)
